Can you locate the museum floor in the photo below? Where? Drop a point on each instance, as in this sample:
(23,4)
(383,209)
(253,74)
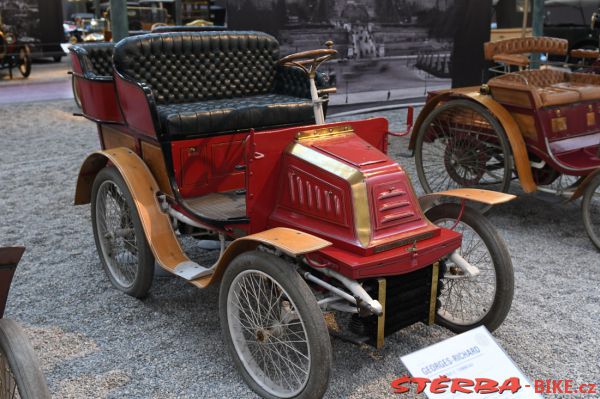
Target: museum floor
(94,341)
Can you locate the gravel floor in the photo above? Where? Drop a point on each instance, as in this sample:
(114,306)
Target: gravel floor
(96,342)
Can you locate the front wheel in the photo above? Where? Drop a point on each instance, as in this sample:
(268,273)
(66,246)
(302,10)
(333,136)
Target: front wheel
(590,207)
(273,328)
(485,299)
(20,373)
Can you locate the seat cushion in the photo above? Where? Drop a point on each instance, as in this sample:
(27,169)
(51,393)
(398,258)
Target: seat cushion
(557,96)
(586,92)
(233,114)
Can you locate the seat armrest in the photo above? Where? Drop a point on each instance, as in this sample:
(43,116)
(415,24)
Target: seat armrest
(512,59)
(137,105)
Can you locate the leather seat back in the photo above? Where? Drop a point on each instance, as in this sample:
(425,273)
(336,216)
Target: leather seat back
(182,67)
(522,45)
(531,78)
(95,58)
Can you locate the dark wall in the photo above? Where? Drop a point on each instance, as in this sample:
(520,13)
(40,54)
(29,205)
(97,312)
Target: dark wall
(51,31)
(472,19)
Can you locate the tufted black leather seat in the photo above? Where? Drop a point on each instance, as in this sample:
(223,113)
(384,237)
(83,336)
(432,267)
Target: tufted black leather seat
(95,59)
(210,82)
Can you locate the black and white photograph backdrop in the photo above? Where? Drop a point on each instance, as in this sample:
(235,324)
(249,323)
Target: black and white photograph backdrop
(389,50)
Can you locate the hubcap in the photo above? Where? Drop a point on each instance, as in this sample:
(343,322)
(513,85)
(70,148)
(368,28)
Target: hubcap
(268,334)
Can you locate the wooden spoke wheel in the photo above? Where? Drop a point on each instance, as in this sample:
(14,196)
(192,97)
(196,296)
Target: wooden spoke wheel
(460,144)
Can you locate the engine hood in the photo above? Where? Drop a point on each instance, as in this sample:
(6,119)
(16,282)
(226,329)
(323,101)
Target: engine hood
(341,187)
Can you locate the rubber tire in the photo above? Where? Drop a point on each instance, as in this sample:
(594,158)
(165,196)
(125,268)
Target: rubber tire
(28,61)
(22,361)
(505,280)
(305,301)
(585,210)
(145,274)
(487,115)
(75,94)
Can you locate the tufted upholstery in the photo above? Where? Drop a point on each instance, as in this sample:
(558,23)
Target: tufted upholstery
(583,53)
(95,58)
(228,114)
(550,87)
(209,82)
(523,45)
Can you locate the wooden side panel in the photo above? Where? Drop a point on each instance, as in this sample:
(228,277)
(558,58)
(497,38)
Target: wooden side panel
(526,124)
(512,97)
(113,138)
(153,157)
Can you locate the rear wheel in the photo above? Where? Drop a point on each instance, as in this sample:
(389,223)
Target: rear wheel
(460,144)
(467,302)
(120,240)
(590,207)
(273,328)
(20,373)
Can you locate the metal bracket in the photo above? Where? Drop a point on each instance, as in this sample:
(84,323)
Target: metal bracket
(382,288)
(191,270)
(435,273)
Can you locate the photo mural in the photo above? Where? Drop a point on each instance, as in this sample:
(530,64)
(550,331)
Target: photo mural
(389,50)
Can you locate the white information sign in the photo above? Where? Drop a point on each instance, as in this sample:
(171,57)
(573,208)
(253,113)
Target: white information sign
(472,361)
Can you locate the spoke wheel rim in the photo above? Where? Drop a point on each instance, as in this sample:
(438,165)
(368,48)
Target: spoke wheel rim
(8,383)
(593,210)
(268,334)
(467,300)
(460,148)
(116,234)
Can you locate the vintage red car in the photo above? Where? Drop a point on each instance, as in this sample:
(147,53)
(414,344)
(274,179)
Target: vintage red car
(212,135)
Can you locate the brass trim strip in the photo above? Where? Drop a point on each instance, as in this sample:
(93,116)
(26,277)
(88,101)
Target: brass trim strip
(435,272)
(357,181)
(381,318)
(324,132)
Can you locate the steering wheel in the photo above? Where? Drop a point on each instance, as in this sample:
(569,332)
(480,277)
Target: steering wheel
(310,61)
